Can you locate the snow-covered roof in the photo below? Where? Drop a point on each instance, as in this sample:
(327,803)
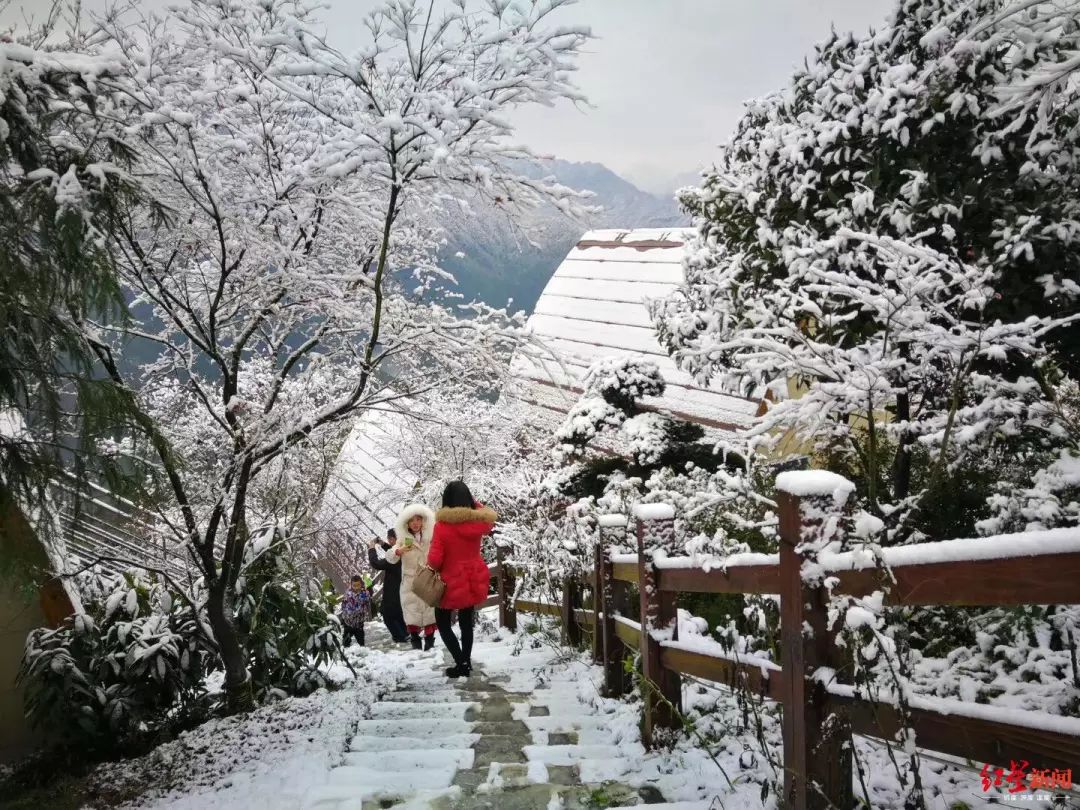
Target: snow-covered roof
(367,490)
(99,527)
(595,306)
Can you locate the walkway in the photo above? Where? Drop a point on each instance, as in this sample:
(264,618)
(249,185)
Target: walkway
(510,737)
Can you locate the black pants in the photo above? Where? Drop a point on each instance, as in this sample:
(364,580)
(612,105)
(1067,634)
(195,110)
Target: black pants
(349,633)
(461,654)
(392,615)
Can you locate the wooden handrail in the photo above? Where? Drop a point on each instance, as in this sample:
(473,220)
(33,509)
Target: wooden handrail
(728,671)
(540,608)
(972,738)
(736,579)
(1052,578)
(630,636)
(819,717)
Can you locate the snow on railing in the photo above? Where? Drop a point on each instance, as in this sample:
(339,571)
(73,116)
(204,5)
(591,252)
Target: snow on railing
(979,571)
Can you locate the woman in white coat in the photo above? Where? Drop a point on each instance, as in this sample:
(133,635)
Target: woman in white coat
(414,527)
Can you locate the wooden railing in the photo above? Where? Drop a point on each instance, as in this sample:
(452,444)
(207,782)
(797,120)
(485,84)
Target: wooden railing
(819,714)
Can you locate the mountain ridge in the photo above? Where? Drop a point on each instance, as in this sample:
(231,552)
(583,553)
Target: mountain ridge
(496,258)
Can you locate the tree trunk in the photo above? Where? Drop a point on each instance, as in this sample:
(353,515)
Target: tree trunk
(239,696)
(902,462)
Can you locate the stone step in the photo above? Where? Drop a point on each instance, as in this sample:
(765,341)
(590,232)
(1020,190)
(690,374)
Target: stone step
(369,781)
(450,742)
(530,797)
(570,754)
(413,727)
(425,696)
(544,796)
(412,758)
(503,776)
(335,797)
(602,769)
(405,711)
(589,736)
(513,728)
(499,748)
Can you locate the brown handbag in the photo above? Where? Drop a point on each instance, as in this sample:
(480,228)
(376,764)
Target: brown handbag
(429,586)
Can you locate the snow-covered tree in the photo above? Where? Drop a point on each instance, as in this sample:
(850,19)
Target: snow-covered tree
(612,452)
(888,249)
(443,438)
(421,111)
(888,242)
(276,293)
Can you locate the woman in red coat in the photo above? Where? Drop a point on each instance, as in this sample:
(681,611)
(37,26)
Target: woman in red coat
(455,553)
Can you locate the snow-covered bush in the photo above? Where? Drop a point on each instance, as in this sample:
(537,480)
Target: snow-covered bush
(611,453)
(613,438)
(888,249)
(894,257)
(286,621)
(65,172)
(132,666)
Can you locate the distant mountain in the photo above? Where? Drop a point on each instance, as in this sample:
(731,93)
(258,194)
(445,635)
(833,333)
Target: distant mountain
(692,178)
(495,257)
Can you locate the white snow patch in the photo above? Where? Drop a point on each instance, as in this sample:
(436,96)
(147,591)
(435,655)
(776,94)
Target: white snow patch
(809,483)
(654,511)
(613,521)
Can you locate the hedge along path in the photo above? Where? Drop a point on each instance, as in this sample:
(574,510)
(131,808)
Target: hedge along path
(474,743)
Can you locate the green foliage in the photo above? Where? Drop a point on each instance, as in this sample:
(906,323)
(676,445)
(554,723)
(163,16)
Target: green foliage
(598,798)
(133,668)
(63,191)
(129,669)
(287,624)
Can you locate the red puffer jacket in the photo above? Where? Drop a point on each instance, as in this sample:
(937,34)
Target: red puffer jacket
(455,554)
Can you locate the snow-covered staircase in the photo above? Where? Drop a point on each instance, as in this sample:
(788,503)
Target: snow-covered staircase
(472,744)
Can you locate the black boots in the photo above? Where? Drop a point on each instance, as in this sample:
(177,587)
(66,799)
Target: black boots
(459,671)
(416,643)
(429,641)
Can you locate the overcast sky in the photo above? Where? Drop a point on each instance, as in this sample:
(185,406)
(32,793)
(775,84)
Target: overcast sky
(667,78)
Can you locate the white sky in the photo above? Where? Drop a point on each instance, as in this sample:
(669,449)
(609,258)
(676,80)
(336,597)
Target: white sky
(667,78)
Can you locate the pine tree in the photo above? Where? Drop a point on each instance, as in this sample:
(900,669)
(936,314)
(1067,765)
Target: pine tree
(64,185)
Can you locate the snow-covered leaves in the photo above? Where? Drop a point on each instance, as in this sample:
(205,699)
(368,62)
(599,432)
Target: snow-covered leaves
(133,663)
(64,173)
(613,387)
(868,256)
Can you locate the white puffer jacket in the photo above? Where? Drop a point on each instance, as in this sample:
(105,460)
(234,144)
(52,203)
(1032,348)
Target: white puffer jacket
(417,612)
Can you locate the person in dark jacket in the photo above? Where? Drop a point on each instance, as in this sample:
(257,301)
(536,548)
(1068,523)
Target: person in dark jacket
(455,553)
(392,615)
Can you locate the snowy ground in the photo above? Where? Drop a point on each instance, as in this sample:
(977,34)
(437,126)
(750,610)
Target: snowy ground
(530,730)
(270,758)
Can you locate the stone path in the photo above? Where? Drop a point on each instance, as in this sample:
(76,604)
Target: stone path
(477,743)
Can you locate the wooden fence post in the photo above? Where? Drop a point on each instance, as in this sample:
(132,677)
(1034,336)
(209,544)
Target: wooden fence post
(611,598)
(597,605)
(571,601)
(507,611)
(659,617)
(817,757)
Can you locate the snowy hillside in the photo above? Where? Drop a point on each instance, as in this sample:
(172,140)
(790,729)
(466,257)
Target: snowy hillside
(495,257)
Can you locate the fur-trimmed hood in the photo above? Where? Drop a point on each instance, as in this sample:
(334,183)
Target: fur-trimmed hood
(407,514)
(463,514)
